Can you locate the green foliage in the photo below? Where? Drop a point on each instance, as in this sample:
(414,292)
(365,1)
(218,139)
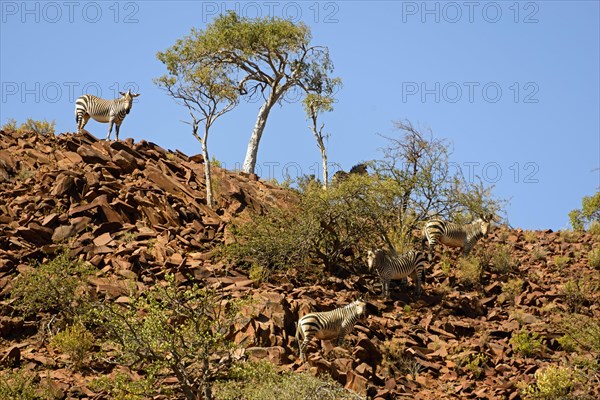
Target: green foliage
(582,334)
(76,341)
(474,364)
(23,385)
(17,385)
(38,127)
(501,260)
(55,286)
(326,225)
(510,290)
(561,262)
(594,258)
(589,213)
(525,343)
(181,329)
(394,360)
(10,125)
(570,236)
(553,382)
(577,293)
(538,253)
(425,183)
(260,381)
(529,236)
(123,387)
(469,271)
(215,163)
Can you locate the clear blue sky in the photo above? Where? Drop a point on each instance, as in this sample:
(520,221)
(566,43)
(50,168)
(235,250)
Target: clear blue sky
(514,85)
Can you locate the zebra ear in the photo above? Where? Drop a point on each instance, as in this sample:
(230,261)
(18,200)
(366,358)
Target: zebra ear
(122,94)
(135,94)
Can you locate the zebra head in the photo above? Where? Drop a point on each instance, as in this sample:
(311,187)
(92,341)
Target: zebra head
(485,224)
(373,257)
(128,97)
(360,308)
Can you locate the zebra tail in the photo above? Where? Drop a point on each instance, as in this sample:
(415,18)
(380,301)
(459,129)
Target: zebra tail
(298,335)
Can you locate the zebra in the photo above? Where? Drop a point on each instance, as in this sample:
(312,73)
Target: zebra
(111,111)
(455,235)
(390,267)
(329,325)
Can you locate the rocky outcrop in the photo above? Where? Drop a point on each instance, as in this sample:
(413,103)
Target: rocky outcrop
(134,210)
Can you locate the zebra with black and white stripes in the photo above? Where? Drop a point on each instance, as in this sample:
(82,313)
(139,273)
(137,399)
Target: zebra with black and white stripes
(111,111)
(329,325)
(391,267)
(455,235)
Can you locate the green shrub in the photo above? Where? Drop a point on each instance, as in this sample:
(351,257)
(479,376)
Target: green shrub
(123,387)
(469,271)
(594,228)
(561,262)
(17,385)
(474,364)
(530,236)
(525,343)
(569,236)
(55,286)
(76,341)
(552,382)
(501,260)
(511,289)
(38,127)
(181,329)
(325,228)
(23,385)
(260,381)
(538,253)
(395,361)
(589,213)
(10,125)
(582,334)
(594,258)
(577,293)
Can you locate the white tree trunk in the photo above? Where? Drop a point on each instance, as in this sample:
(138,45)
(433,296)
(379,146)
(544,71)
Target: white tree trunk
(207,177)
(324,159)
(259,127)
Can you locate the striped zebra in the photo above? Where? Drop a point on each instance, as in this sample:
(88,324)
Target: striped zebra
(455,235)
(391,267)
(329,325)
(111,111)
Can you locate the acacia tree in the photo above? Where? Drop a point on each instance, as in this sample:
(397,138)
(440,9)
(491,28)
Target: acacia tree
(422,183)
(266,56)
(204,88)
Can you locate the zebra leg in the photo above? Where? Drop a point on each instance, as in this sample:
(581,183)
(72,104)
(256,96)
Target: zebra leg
(303,348)
(385,288)
(117,126)
(431,247)
(110,125)
(416,277)
(340,339)
(83,119)
(467,249)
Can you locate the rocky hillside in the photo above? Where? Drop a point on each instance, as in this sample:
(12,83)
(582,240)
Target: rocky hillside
(134,210)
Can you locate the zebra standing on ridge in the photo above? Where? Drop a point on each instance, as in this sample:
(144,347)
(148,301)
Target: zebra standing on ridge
(390,267)
(455,235)
(329,325)
(111,111)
